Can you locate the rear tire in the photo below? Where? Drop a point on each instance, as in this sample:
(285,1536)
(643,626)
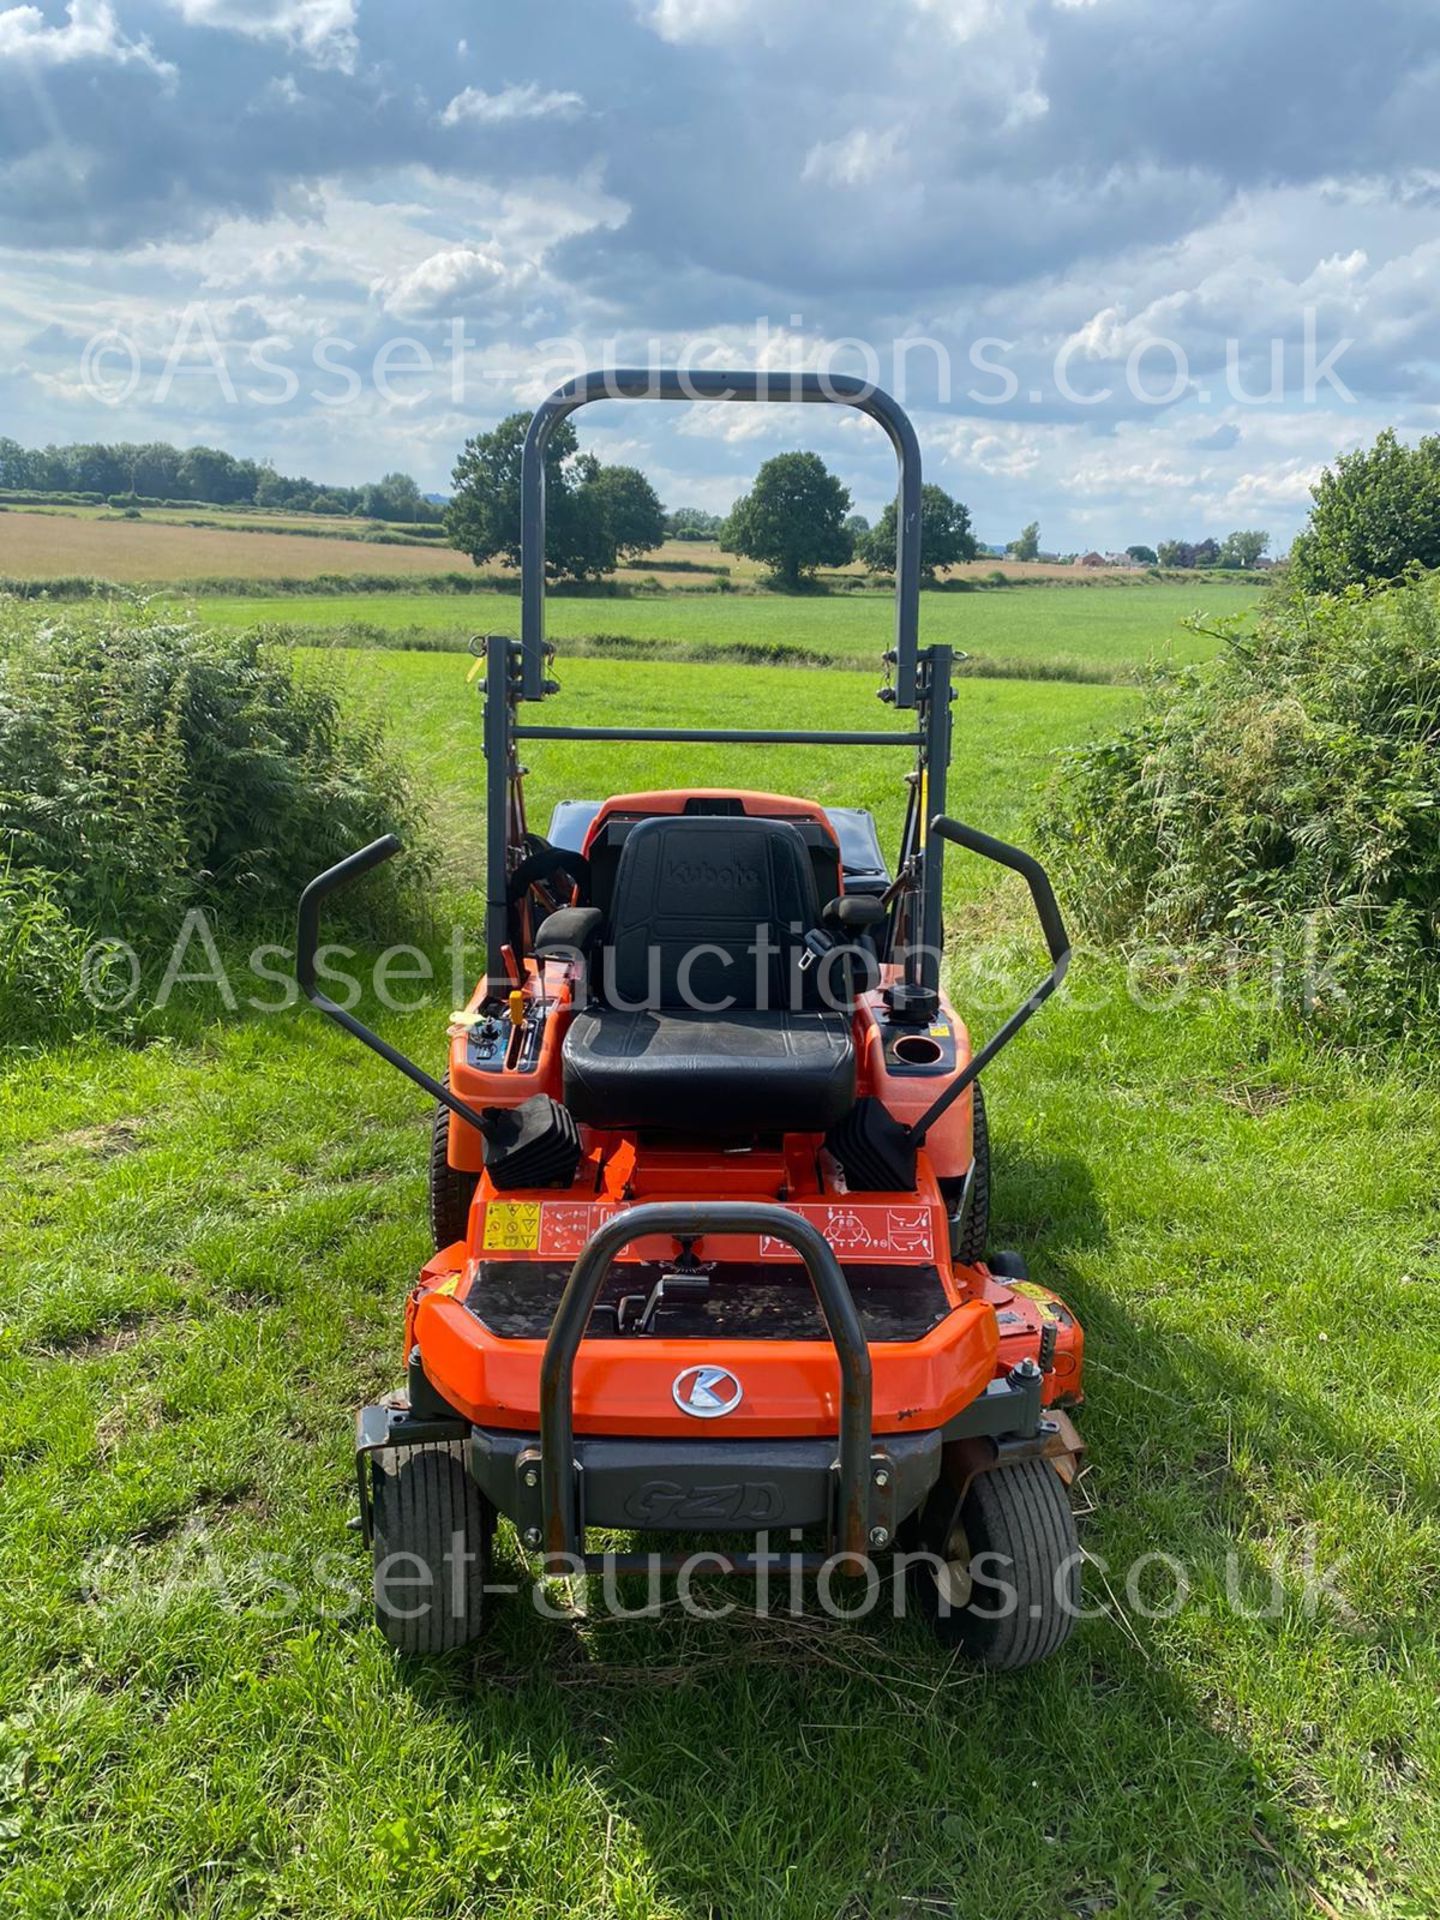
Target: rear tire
(1017,1534)
(451,1190)
(433,1530)
(970,1247)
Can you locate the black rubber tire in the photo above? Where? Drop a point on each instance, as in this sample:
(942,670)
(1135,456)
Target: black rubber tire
(450,1190)
(428,1513)
(976,1230)
(1020,1514)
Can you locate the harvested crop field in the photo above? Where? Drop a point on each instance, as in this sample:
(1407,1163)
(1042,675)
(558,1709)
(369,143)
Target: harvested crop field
(47,546)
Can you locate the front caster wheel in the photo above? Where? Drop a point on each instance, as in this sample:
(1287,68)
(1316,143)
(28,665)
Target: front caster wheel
(433,1530)
(1003,1585)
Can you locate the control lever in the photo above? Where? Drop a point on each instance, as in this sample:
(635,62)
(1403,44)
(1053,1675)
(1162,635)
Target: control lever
(670,1290)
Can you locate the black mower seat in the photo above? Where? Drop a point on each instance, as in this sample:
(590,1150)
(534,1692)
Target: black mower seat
(683,1072)
(694,897)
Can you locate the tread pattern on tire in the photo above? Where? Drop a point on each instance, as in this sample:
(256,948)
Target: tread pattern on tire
(451,1190)
(423,1498)
(1023,1511)
(977,1225)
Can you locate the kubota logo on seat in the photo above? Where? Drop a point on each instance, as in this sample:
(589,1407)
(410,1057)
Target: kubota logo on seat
(704,873)
(707,1392)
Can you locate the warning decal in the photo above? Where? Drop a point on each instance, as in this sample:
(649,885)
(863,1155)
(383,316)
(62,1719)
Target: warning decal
(1049,1305)
(864,1233)
(512,1226)
(568,1224)
(858,1231)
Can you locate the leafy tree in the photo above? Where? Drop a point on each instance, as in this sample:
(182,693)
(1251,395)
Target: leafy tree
(207,474)
(945,536)
(793,518)
(857,526)
(1376,512)
(1185,553)
(483,518)
(395,497)
(1143,556)
(155,470)
(274,490)
(630,507)
(1027,546)
(693,523)
(14,464)
(97,469)
(1243,550)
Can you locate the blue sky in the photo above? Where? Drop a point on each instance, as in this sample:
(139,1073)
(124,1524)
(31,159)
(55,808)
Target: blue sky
(1103,247)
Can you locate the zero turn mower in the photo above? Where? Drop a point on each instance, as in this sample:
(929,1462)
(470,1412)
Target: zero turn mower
(710,1176)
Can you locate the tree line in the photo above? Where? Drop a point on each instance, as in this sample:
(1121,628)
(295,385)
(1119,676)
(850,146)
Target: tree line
(1240,550)
(796,517)
(205,476)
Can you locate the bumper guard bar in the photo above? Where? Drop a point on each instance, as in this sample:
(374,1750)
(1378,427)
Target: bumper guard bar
(562,1527)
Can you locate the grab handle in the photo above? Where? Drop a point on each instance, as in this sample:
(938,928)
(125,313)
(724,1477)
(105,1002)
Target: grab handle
(1056,939)
(307,945)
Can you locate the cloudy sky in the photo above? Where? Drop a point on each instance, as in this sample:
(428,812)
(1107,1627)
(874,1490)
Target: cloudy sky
(1140,267)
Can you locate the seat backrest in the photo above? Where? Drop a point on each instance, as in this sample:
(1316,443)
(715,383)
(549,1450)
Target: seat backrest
(688,882)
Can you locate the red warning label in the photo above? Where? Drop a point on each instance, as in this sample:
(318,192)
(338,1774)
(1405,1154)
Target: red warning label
(566,1226)
(860,1233)
(857,1233)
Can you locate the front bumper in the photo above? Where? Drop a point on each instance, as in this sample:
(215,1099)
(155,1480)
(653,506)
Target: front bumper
(705,1486)
(747,1486)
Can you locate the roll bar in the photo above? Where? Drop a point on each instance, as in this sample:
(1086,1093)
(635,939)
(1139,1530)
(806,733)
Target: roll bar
(643,383)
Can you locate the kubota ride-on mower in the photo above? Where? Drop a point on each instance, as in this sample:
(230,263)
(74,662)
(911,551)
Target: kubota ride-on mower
(710,1178)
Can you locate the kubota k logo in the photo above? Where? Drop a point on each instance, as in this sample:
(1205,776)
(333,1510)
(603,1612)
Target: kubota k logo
(707,1392)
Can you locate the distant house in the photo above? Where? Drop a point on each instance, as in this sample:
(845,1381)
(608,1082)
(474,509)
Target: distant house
(1092,560)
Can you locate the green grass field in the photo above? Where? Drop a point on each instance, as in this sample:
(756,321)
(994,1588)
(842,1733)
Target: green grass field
(1102,629)
(206,1242)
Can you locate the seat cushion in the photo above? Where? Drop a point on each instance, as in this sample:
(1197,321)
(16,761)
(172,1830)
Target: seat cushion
(683,1072)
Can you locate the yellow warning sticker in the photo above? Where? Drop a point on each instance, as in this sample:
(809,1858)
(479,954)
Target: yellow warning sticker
(512,1226)
(1047,1303)
(940,1031)
(450,1286)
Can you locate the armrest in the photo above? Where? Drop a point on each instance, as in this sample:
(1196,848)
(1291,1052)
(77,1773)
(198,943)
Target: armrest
(855,912)
(568,932)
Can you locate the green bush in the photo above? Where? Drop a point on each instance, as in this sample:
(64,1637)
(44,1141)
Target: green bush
(147,767)
(1376,514)
(41,956)
(1280,808)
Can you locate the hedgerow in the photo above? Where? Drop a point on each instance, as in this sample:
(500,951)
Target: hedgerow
(1279,810)
(147,767)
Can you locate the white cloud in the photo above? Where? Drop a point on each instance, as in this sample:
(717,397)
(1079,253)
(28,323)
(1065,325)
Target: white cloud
(91,32)
(511,103)
(455,277)
(681,20)
(855,159)
(324,30)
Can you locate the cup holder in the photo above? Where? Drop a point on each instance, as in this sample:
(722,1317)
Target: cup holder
(918,1050)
